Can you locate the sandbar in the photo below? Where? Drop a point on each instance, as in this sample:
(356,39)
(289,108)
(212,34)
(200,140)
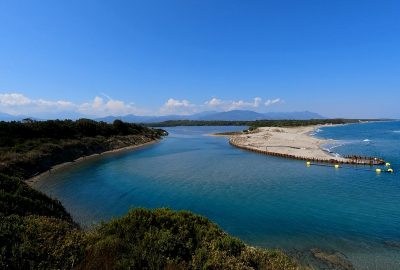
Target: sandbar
(294,142)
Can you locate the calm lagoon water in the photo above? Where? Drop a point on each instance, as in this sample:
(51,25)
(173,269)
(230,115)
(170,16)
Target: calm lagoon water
(266,201)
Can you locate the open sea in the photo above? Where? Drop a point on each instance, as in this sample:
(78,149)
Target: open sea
(266,201)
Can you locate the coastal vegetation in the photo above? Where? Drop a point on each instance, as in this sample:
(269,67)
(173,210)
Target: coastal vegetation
(166,239)
(36,232)
(17,198)
(30,147)
(143,239)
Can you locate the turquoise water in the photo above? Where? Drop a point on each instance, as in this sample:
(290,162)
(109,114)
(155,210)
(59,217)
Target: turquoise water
(266,201)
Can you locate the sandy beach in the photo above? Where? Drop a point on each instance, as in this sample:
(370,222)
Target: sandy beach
(33,180)
(293,142)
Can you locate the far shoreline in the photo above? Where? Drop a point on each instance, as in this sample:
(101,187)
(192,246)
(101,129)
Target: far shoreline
(32,181)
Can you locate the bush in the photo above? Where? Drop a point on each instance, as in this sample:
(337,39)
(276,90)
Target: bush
(39,243)
(143,239)
(166,239)
(17,198)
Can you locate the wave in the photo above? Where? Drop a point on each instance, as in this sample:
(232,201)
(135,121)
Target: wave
(396,131)
(366,140)
(318,130)
(330,147)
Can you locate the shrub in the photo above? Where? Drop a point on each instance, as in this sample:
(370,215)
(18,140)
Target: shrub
(35,242)
(166,239)
(17,198)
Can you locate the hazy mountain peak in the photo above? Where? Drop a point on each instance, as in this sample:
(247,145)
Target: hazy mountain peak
(233,115)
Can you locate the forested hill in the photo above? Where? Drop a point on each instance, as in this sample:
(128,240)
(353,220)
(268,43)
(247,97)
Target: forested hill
(16,132)
(31,147)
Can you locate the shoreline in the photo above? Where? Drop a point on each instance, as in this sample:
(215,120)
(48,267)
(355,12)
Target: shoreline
(32,181)
(295,143)
(219,135)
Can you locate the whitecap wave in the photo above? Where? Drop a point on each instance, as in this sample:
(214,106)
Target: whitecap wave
(396,131)
(366,140)
(313,133)
(330,147)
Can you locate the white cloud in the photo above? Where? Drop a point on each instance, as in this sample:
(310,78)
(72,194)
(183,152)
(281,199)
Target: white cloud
(46,103)
(257,101)
(225,105)
(176,106)
(97,102)
(235,105)
(12,99)
(19,104)
(177,103)
(270,102)
(213,102)
(101,107)
(16,103)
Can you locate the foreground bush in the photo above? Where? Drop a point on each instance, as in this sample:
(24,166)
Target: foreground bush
(39,243)
(166,239)
(143,239)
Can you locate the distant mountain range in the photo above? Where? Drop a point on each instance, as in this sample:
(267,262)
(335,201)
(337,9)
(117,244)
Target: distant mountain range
(241,115)
(9,117)
(235,115)
(42,117)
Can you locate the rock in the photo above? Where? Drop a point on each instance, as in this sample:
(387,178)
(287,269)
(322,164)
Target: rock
(335,259)
(391,243)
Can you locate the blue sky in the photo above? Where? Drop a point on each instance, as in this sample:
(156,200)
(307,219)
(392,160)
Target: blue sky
(337,58)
